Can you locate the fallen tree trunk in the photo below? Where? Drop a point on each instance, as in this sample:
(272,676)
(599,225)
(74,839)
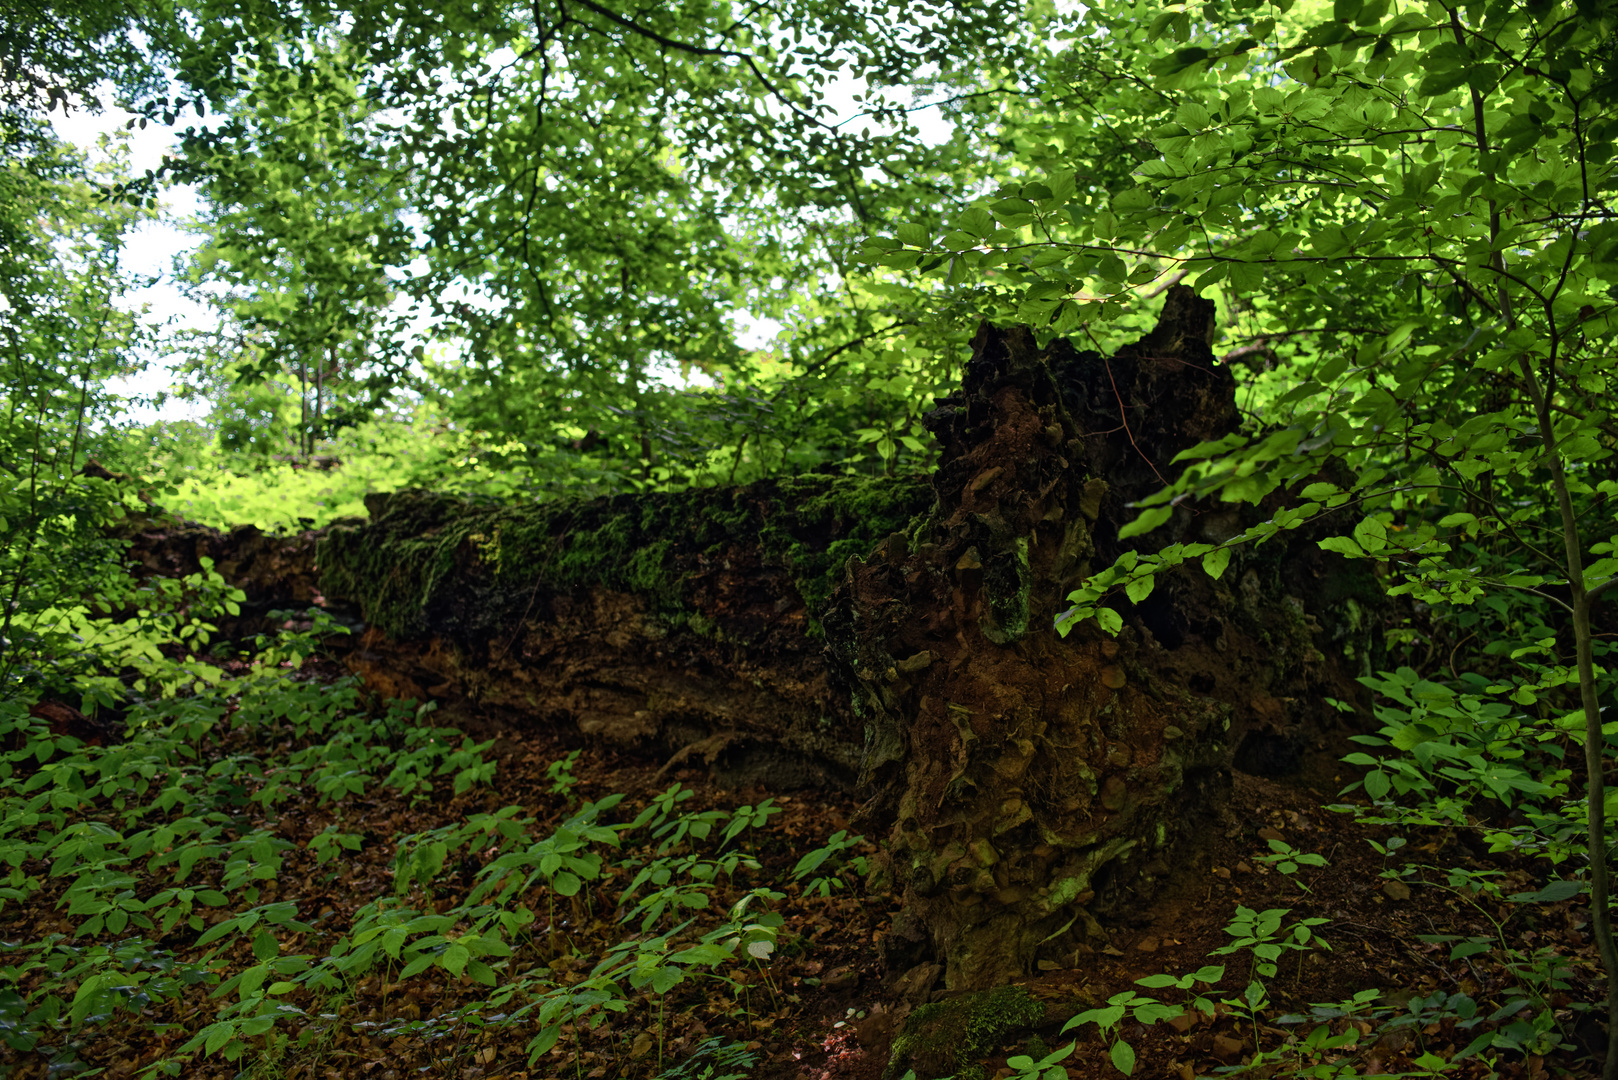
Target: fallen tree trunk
(1031,785)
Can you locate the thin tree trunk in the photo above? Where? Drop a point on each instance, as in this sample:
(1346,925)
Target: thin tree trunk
(1580,599)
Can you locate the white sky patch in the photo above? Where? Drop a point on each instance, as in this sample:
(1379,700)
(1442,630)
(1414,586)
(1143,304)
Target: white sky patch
(149,250)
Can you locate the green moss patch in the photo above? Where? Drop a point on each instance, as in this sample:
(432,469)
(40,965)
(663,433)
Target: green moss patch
(949,1038)
(428,562)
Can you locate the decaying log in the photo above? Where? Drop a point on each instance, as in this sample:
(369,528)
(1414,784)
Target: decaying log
(899,633)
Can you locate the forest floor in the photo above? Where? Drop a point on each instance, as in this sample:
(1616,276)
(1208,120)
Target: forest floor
(818,1004)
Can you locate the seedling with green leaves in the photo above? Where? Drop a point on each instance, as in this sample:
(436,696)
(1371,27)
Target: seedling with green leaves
(829,855)
(1143,1010)
(1287,860)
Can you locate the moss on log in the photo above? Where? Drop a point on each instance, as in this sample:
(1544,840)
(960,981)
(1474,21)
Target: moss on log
(681,620)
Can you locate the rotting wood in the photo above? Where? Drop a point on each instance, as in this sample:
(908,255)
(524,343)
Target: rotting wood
(1033,783)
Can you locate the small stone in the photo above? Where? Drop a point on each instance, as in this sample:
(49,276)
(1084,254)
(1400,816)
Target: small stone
(1396,890)
(1221,872)
(1146,944)
(841,979)
(1243,868)
(1268,833)
(1227,1049)
(1113,677)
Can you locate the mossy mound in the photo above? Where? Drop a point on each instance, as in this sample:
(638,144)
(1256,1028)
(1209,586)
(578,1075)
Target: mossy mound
(948,1038)
(451,566)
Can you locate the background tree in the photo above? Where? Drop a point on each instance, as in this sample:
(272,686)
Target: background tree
(596,196)
(65,330)
(301,235)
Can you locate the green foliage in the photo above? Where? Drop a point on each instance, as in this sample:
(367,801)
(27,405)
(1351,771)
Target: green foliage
(1143,1010)
(300,282)
(1287,859)
(565,221)
(64,331)
(1265,936)
(1464,757)
(1415,203)
(828,856)
(68,53)
(713,1059)
(149,835)
(560,774)
(1471,757)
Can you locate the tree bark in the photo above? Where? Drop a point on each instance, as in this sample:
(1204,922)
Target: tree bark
(1034,781)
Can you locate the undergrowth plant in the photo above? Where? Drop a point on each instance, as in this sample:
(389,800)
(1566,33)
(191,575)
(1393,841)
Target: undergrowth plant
(1482,758)
(1265,936)
(165,856)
